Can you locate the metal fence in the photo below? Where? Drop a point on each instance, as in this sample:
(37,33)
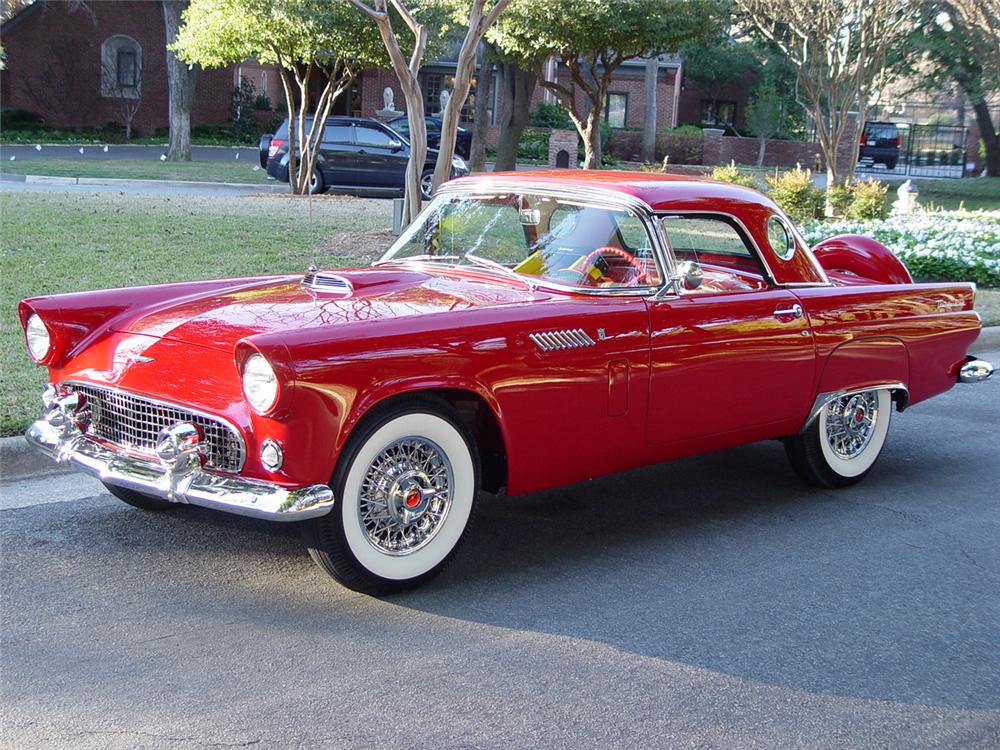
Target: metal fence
(926,151)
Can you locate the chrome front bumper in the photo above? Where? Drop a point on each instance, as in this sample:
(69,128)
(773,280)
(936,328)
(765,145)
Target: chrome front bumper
(179,481)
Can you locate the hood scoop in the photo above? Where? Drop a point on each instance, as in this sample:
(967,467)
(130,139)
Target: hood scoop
(330,283)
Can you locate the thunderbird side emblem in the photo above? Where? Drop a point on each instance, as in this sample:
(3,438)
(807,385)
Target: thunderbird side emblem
(139,358)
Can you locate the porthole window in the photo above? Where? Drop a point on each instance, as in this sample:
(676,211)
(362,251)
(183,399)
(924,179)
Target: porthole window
(780,239)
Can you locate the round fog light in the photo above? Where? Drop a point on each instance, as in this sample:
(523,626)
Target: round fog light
(270,455)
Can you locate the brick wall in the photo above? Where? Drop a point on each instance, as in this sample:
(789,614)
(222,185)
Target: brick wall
(54,66)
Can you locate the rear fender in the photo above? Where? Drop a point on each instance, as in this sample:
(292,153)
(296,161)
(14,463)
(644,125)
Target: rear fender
(853,258)
(868,363)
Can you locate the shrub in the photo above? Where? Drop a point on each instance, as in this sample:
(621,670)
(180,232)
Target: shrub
(795,193)
(244,99)
(683,130)
(262,102)
(534,144)
(729,173)
(548,115)
(867,200)
(15,118)
(839,196)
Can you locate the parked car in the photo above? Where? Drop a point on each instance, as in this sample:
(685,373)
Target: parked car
(463,137)
(355,154)
(880,144)
(526,331)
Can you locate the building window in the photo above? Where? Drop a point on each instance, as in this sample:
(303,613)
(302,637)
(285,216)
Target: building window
(616,110)
(121,67)
(432,92)
(718,113)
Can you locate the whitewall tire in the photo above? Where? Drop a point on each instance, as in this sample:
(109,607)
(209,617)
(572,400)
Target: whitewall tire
(843,442)
(405,492)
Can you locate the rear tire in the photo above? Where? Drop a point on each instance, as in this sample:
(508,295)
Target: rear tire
(842,444)
(139,500)
(427,184)
(405,490)
(316,183)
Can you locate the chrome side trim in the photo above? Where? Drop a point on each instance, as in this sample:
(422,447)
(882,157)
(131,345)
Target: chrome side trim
(974,370)
(183,482)
(575,338)
(825,398)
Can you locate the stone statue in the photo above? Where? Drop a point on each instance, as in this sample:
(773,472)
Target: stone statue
(906,203)
(389,111)
(444,97)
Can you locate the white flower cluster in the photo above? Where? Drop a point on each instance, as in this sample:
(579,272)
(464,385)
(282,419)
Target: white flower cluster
(951,240)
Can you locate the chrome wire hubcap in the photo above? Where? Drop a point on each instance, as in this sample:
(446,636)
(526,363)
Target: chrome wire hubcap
(406,494)
(850,423)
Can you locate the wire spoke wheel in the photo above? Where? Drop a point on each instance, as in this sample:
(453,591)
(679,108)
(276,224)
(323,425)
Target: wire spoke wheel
(850,423)
(405,495)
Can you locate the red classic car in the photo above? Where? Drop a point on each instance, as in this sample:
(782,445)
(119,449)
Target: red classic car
(527,331)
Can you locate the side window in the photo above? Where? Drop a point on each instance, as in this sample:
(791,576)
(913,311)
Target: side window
(365,135)
(780,239)
(337,134)
(718,245)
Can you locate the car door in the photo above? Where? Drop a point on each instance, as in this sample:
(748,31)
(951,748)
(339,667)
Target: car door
(381,158)
(734,354)
(338,154)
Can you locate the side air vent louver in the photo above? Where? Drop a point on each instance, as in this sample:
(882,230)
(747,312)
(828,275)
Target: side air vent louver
(327,282)
(554,340)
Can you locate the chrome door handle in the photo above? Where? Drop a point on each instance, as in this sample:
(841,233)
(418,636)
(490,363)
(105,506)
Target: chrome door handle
(795,311)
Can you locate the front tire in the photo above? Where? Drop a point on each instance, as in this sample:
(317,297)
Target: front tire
(405,492)
(317,184)
(842,444)
(139,500)
(427,184)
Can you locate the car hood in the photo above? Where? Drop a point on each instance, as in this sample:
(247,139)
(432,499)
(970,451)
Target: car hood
(220,318)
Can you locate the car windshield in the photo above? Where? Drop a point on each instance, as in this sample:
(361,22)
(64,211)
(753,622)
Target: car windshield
(538,238)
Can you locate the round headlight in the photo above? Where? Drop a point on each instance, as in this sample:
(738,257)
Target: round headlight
(37,336)
(459,163)
(260,384)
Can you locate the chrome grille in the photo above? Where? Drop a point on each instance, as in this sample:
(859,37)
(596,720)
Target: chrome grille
(133,423)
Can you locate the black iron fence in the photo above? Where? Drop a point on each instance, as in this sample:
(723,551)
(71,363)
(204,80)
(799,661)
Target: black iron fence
(925,151)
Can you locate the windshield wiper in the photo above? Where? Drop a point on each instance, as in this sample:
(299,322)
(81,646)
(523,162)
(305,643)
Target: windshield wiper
(425,256)
(500,267)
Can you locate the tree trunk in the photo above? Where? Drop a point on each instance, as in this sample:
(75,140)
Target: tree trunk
(760,152)
(481,118)
(989,135)
(181,82)
(517,86)
(453,109)
(592,138)
(649,123)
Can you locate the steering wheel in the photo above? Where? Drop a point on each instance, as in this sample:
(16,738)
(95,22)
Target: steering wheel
(635,263)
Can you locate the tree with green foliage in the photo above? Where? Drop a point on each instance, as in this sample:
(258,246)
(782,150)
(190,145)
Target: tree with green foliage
(839,50)
(319,42)
(591,39)
(763,116)
(954,50)
(714,63)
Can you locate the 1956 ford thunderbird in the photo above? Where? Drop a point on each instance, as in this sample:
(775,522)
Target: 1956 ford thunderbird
(526,331)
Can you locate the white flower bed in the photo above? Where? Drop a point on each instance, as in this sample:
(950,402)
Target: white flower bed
(952,245)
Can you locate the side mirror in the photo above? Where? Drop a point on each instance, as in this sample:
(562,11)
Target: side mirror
(689,274)
(395,145)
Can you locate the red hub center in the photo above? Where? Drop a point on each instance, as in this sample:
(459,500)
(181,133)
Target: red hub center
(412,498)
(859,414)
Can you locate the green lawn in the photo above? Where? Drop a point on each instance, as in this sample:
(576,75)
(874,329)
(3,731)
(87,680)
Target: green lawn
(972,193)
(139,169)
(59,242)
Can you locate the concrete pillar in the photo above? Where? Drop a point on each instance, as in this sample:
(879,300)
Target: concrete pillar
(711,154)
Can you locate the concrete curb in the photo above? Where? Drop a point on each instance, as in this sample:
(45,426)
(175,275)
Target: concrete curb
(19,460)
(114,182)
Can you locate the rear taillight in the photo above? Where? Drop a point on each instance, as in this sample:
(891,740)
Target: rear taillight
(861,140)
(275,145)
(899,141)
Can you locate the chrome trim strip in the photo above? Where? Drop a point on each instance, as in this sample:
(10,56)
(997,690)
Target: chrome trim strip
(173,405)
(826,397)
(181,483)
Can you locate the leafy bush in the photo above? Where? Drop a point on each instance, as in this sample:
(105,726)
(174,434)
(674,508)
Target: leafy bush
(15,118)
(534,144)
(794,192)
(941,245)
(682,130)
(839,196)
(262,102)
(548,115)
(244,99)
(729,173)
(867,200)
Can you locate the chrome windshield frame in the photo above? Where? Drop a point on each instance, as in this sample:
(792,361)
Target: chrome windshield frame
(587,195)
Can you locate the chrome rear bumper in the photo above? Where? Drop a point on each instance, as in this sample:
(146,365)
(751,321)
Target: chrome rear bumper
(180,482)
(974,370)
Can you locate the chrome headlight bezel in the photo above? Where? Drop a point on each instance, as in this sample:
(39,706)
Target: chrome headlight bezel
(459,163)
(260,383)
(37,338)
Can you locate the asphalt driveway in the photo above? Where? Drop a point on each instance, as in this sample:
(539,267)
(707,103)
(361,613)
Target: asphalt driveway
(709,602)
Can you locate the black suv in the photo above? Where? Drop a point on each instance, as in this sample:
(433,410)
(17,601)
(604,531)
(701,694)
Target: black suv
(463,137)
(355,154)
(880,144)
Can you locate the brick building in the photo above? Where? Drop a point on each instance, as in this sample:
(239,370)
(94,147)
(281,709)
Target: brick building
(76,64)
